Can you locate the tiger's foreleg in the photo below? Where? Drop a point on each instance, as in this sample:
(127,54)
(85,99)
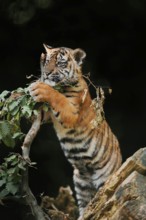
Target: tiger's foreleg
(84,189)
(59,104)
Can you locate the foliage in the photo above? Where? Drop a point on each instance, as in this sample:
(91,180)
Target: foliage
(10,175)
(13,107)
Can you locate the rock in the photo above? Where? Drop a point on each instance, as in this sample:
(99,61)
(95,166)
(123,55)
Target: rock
(123,197)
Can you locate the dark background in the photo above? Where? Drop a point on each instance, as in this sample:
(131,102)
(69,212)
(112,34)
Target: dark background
(113,34)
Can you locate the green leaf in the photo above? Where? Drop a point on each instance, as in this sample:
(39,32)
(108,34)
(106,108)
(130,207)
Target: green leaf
(26,90)
(1,103)
(11,158)
(21,166)
(4,94)
(5,128)
(13,105)
(12,170)
(3,193)
(45,107)
(15,162)
(9,141)
(2,182)
(6,131)
(58,88)
(4,166)
(5,110)
(15,179)
(14,111)
(19,90)
(26,111)
(23,100)
(18,135)
(11,188)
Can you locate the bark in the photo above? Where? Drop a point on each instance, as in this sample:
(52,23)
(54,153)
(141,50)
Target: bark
(30,136)
(123,196)
(28,197)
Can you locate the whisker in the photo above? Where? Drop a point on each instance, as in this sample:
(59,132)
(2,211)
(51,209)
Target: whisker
(31,76)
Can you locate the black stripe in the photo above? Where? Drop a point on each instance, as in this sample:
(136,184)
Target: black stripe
(77,150)
(98,177)
(70,96)
(104,172)
(79,186)
(81,201)
(72,91)
(57,114)
(101,184)
(105,149)
(98,144)
(96,164)
(74,104)
(80,157)
(73,140)
(72,131)
(88,140)
(70,140)
(82,149)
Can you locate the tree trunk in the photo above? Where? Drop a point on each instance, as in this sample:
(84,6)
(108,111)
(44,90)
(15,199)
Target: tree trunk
(123,197)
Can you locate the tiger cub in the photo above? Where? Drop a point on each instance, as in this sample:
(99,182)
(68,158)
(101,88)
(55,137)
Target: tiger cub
(93,151)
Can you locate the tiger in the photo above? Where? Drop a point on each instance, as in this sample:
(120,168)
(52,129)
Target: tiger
(93,151)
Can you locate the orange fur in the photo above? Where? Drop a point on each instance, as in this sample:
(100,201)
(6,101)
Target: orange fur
(73,112)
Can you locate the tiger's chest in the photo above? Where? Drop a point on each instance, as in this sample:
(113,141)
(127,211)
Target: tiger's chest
(77,143)
(70,138)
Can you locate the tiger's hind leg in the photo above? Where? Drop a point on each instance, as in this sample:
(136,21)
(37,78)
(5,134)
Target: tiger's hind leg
(84,190)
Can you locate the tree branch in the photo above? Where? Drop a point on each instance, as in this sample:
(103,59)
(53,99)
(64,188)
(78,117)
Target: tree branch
(28,196)
(30,136)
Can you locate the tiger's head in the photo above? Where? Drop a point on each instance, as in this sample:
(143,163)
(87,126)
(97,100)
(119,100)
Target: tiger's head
(61,66)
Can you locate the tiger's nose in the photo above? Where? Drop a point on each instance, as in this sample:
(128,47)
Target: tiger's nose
(56,79)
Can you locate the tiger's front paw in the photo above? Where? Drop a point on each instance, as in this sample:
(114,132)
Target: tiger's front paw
(34,91)
(39,91)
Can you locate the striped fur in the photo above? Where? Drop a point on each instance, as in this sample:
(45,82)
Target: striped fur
(93,151)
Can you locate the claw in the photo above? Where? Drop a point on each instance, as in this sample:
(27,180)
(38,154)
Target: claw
(31,89)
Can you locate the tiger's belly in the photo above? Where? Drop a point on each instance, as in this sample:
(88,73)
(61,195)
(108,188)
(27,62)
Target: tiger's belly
(90,149)
(74,142)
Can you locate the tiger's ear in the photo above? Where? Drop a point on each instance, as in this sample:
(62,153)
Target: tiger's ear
(47,48)
(79,55)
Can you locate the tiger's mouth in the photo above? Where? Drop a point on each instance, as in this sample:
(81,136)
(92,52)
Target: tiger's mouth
(52,79)
(58,80)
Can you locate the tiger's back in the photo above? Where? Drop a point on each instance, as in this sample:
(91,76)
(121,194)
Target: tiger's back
(92,149)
